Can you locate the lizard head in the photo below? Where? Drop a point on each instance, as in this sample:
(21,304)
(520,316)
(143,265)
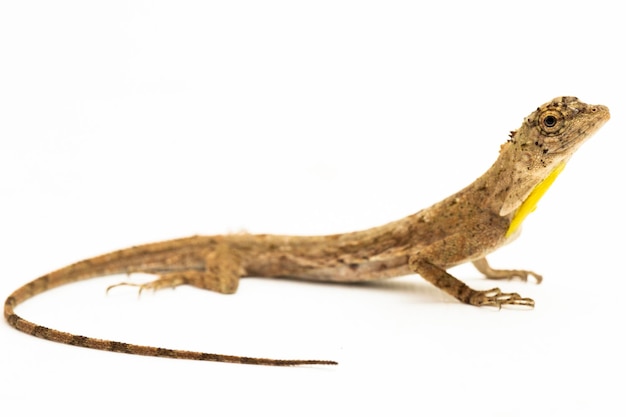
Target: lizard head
(557,129)
(537,152)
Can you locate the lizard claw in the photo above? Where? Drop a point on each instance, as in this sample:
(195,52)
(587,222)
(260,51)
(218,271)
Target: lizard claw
(496,298)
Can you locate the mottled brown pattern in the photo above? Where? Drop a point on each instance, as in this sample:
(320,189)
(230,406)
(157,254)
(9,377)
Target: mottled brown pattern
(464,227)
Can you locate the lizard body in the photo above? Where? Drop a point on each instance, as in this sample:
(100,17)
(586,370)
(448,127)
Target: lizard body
(464,227)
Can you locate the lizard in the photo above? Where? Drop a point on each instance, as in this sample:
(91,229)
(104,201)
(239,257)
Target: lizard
(464,227)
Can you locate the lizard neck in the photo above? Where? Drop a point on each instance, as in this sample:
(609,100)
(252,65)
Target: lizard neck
(530,203)
(512,192)
(491,189)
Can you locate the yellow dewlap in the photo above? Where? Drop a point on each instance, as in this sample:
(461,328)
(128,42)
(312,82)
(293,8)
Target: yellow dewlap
(530,204)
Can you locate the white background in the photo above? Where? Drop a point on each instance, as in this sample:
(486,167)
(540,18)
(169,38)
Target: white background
(134,121)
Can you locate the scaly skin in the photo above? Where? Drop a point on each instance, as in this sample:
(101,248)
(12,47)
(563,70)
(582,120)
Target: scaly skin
(464,227)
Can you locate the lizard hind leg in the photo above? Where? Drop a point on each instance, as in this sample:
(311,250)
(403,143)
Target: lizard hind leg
(222,270)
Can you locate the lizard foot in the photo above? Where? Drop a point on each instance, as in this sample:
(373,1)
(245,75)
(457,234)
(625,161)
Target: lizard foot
(489,272)
(496,298)
(157,284)
(515,273)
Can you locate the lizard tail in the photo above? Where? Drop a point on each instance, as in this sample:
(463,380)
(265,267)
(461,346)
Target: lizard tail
(85,270)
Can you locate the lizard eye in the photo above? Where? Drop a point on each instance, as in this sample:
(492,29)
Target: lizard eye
(550,122)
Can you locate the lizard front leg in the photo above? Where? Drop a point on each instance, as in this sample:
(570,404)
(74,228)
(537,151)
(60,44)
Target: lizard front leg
(449,251)
(483,267)
(222,270)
